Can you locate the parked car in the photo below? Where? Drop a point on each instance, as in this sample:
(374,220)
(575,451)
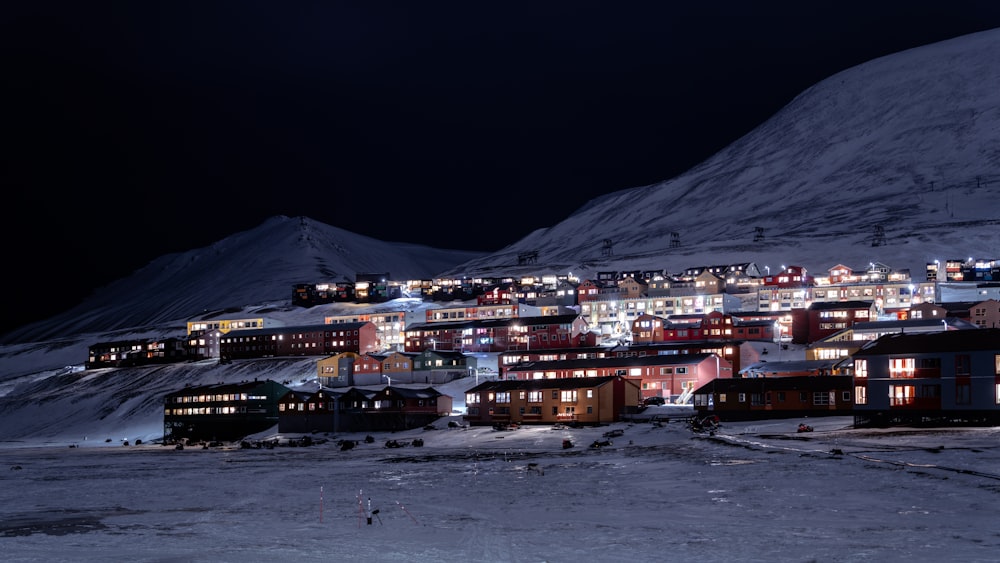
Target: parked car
(650,401)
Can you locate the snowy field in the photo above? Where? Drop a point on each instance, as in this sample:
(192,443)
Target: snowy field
(752,492)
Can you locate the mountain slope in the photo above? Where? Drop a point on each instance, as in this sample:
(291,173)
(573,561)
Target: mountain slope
(256,266)
(908,144)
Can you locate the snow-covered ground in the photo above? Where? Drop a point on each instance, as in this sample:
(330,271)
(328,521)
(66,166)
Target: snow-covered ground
(752,492)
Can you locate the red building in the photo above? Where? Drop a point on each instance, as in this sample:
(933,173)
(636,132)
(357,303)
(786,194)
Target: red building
(820,320)
(497,335)
(314,340)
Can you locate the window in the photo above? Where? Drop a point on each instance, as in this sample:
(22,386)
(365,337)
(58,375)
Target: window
(963,366)
(860,395)
(503,397)
(860,368)
(901,395)
(963,391)
(568,396)
(824,398)
(901,368)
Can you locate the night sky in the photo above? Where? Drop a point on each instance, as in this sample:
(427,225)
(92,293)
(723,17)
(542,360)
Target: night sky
(136,129)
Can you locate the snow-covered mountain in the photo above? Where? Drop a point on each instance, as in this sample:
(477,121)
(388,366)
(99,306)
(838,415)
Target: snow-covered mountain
(257,266)
(902,152)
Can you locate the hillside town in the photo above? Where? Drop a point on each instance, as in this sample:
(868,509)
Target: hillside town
(732,341)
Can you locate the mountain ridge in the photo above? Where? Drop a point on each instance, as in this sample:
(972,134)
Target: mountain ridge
(247,268)
(902,138)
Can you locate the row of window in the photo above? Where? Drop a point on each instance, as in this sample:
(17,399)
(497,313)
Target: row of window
(910,395)
(503,397)
(909,368)
(218,398)
(195,411)
(819,398)
(376,404)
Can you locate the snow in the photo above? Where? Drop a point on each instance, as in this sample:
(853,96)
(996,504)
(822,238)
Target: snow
(752,492)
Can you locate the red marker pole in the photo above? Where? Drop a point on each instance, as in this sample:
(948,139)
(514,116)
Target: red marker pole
(408,513)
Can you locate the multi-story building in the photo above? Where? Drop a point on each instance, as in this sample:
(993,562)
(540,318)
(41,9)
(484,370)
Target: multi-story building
(310,340)
(575,400)
(951,376)
(389,327)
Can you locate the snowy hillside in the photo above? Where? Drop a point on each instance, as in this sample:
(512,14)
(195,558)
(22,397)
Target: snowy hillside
(909,143)
(248,268)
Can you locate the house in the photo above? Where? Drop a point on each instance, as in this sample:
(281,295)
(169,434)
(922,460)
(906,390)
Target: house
(389,326)
(670,376)
(348,369)
(775,397)
(576,400)
(820,320)
(385,409)
(309,340)
(224,411)
(440,366)
(203,335)
(137,352)
(496,335)
(304,412)
(917,378)
(338,370)
(648,328)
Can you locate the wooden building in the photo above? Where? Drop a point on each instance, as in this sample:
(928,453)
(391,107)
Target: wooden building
(497,335)
(138,352)
(577,400)
(775,397)
(386,409)
(225,411)
(311,340)
(940,377)
(672,377)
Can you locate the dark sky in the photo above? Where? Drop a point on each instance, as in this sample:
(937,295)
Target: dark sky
(135,129)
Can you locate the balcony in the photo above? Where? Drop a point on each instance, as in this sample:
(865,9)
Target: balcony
(915,403)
